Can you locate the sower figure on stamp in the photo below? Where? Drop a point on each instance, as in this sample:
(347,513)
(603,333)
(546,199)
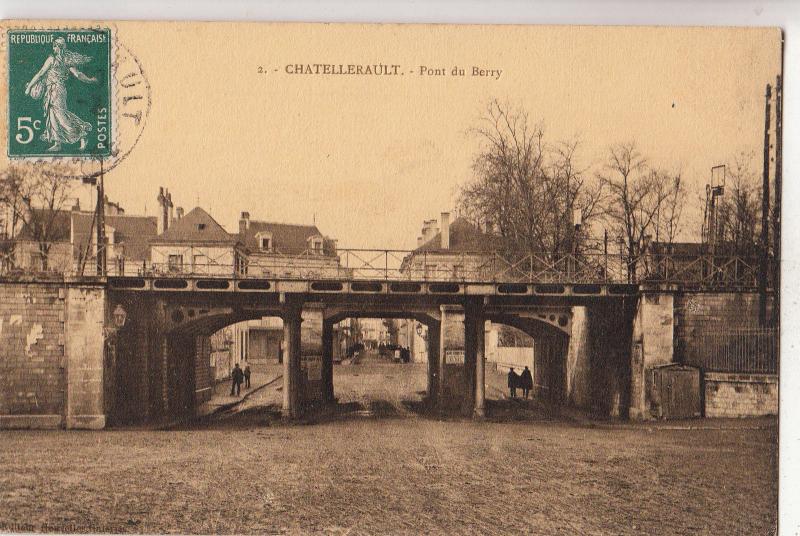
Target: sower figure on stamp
(237,376)
(49,84)
(247,376)
(513,382)
(526,382)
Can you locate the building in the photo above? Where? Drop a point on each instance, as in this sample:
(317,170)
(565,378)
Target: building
(287,251)
(195,244)
(73,242)
(451,252)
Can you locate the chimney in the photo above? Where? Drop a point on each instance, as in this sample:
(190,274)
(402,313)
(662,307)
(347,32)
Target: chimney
(169,206)
(428,229)
(179,213)
(244,222)
(419,241)
(445,230)
(162,215)
(77,206)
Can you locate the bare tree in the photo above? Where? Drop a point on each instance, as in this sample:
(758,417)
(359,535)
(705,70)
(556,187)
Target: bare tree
(640,200)
(526,188)
(669,215)
(33,197)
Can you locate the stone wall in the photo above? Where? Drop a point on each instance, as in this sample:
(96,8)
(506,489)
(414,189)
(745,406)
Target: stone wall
(740,395)
(53,356)
(32,365)
(85,352)
(697,313)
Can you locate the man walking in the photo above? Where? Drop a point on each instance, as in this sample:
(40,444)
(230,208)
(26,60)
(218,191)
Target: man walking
(513,382)
(247,376)
(526,382)
(236,380)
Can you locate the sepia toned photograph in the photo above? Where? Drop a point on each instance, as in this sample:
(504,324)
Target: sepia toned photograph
(301,278)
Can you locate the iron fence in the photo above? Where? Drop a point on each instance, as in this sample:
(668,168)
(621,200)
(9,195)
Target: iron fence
(590,267)
(741,350)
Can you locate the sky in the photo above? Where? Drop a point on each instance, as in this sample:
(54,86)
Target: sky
(368,158)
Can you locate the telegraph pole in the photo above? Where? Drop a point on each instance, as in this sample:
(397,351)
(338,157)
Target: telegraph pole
(776,210)
(101,224)
(764,264)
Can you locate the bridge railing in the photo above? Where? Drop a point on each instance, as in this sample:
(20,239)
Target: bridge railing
(711,271)
(588,267)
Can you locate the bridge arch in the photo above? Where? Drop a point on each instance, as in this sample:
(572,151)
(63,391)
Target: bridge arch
(550,348)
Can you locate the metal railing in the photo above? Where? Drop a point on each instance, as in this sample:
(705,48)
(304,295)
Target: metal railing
(706,271)
(742,350)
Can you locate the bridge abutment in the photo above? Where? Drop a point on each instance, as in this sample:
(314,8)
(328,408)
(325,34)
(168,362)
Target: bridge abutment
(292,320)
(328,395)
(652,345)
(85,357)
(475,355)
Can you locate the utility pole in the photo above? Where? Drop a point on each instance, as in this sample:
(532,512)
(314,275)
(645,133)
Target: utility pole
(764,264)
(101,224)
(776,210)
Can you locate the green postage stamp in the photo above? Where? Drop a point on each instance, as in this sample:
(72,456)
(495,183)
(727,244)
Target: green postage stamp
(59,93)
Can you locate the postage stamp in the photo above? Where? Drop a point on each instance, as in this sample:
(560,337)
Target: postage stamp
(59,93)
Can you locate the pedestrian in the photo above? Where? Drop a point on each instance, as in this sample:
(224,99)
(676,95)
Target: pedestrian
(236,380)
(247,376)
(513,382)
(526,382)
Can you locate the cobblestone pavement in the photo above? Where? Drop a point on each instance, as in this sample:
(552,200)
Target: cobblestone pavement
(252,473)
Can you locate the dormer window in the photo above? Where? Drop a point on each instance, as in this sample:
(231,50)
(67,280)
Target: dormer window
(264,241)
(315,244)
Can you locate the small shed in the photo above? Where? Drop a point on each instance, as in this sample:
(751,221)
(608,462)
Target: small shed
(675,391)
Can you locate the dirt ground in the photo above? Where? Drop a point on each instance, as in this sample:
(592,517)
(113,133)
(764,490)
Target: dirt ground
(367,472)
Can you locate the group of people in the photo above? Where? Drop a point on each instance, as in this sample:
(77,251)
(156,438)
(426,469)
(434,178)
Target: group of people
(239,376)
(522,381)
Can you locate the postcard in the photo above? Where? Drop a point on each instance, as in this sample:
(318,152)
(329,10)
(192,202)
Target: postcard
(297,278)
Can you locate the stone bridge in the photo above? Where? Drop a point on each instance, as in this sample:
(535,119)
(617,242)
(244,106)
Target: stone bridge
(65,362)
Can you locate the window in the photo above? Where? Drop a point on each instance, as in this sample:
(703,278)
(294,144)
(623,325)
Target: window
(264,240)
(201,226)
(175,263)
(316,246)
